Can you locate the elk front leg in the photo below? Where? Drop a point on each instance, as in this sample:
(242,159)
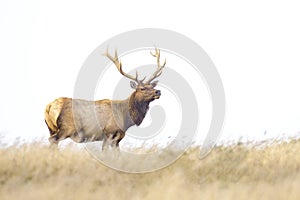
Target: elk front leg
(117,137)
(105,144)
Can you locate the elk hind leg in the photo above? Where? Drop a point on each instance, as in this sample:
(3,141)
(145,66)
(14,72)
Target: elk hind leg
(60,135)
(53,139)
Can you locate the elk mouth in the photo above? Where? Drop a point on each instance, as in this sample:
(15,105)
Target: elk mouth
(156,96)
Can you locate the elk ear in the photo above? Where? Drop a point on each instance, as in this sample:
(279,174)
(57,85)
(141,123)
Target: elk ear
(133,85)
(154,83)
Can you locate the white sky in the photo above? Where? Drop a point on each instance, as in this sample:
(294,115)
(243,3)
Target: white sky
(255,46)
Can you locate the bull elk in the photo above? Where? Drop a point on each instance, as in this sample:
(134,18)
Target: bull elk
(108,120)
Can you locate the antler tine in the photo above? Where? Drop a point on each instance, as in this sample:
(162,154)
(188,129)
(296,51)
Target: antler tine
(158,71)
(118,64)
(136,75)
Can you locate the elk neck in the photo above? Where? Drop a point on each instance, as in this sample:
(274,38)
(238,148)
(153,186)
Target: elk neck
(137,109)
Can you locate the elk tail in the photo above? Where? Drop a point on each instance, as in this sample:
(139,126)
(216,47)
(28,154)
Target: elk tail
(48,119)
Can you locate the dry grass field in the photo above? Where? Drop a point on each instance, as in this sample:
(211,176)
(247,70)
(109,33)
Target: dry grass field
(35,172)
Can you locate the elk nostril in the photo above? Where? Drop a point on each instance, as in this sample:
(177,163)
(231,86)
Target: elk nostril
(157,92)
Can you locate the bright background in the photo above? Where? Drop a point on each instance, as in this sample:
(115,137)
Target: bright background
(255,46)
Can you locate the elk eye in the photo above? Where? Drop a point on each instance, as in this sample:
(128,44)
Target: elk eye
(143,89)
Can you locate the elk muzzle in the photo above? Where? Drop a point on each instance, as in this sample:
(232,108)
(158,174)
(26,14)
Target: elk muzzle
(157,94)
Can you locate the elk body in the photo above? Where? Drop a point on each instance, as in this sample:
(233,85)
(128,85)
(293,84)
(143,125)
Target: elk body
(103,120)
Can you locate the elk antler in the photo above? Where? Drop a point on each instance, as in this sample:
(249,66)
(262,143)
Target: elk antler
(118,64)
(158,71)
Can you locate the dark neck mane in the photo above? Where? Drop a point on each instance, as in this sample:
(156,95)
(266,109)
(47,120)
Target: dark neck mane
(137,109)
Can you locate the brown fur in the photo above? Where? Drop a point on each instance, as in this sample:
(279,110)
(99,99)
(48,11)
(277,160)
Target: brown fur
(138,109)
(107,120)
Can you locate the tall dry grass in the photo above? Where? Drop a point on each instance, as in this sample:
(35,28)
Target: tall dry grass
(36,172)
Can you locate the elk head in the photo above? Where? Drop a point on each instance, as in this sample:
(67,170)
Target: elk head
(144,91)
